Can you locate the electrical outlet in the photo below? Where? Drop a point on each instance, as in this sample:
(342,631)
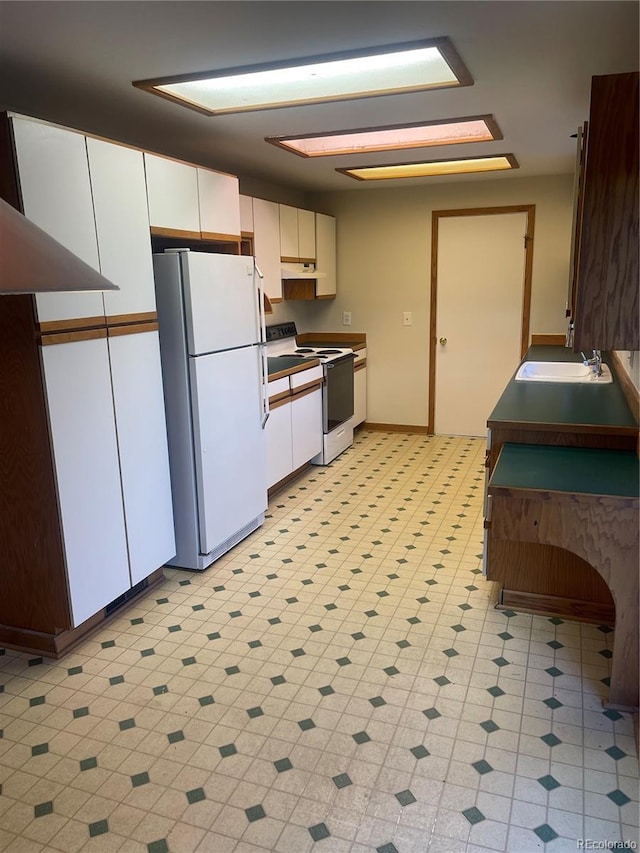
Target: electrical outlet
(407,319)
(346,318)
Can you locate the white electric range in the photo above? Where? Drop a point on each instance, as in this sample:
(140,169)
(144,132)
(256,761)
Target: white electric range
(337,389)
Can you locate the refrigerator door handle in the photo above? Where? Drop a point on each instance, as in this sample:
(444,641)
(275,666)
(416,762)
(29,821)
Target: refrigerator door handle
(263,348)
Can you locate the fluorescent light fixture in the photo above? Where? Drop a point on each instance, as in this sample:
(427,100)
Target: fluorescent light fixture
(429,168)
(420,134)
(387,70)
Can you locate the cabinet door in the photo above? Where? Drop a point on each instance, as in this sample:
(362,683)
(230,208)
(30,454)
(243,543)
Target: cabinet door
(359,396)
(172,194)
(326,254)
(219,201)
(306,235)
(279,453)
(306,427)
(266,240)
(142,445)
(56,195)
(83,434)
(246,214)
(122,224)
(288,232)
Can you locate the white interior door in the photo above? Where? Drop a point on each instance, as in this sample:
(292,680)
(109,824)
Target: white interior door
(480,291)
(229,443)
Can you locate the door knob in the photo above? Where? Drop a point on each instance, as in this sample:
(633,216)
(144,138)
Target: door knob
(443,341)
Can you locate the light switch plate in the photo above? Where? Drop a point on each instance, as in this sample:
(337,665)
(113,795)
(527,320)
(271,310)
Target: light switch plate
(407,319)
(346,318)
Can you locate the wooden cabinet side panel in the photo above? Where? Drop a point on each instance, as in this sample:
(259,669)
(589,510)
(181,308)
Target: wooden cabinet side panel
(34,589)
(608,310)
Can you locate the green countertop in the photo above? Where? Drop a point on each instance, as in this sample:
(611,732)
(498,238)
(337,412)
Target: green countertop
(539,403)
(285,362)
(567,469)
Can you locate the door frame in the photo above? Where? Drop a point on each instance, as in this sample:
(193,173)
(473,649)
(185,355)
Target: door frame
(530,210)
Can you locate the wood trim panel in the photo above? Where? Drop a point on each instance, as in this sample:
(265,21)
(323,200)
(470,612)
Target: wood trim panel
(327,296)
(554,605)
(347,338)
(247,235)
(34,585)
(73,337)
(156,231)
(360,365)
(222,238)
(631,393)
(132,329)
(529,209)
(53,326)
(299,288)
(547,340)
(421,430)
(59,643)
(288,260)
(309,388)
(123,319)
(279,400)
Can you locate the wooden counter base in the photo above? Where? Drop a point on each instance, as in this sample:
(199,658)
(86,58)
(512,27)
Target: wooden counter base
(58,645)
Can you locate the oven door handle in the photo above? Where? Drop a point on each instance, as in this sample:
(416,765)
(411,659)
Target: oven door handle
(262,346)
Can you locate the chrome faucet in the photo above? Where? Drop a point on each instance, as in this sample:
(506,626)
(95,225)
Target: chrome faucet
(595,363)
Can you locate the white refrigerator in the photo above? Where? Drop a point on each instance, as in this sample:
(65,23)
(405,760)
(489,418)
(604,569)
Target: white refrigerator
(213,365)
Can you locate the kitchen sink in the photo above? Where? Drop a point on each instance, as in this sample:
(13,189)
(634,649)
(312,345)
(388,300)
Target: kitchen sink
(561,371)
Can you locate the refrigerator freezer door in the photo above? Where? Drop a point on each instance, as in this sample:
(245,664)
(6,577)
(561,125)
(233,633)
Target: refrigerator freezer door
(220,301)
(229,443)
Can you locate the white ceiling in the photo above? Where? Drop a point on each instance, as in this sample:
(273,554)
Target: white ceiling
(74,62)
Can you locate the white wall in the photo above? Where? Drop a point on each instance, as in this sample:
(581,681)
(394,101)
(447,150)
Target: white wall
(384,255)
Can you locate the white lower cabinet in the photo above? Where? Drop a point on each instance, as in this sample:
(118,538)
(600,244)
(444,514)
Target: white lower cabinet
(85,449)
(279,444)
(143,455)
(359,396)
(107,425)
(306,427)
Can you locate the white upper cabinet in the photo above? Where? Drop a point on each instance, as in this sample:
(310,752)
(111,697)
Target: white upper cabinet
(266,241)
(297,234)
(219,201)
(306,235)
(246,214)
(54,181)
(326,254)
(122,224)
(172,193)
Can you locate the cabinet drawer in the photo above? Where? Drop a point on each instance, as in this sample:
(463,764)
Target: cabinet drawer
(278,387)
(305,377)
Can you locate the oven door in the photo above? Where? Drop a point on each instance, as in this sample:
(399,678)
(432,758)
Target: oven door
(337,400)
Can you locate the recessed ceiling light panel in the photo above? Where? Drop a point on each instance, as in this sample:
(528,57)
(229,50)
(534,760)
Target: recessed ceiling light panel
(393,69)
(429,168)
(392,137)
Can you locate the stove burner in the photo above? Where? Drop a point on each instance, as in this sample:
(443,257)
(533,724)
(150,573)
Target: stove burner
(304,349)
(328,352)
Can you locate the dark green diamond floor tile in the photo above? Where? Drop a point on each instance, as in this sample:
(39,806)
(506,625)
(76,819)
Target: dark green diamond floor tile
(88,763)
(505,635)
(108,644)
(405,798)
(297,653)
(235,613)
(361,737)
(413,620)
(442,681)
(196,795)
(215,635)
(482,767)
(40,749)
(232,670)
(116,679)
(319,831)
(206,700)
(391,670)
(282,764)
(42,809)
(159,846)
(255,813)
(227,750)
(37,700)
(80,712)
(139,779)
(619,797)
(555,644)
(137,621)
(387,848)
(254,644)
(342,780)
(307,724)
(160,689)
(612,715)
(495,691)
(489,726)
(129,723)
(145,653)
(315,628)
(550,739)
(473,815)
(175,737)
(74,670)
(255,712)
(278,679)
(458,628)
(275,620)
(606,653)
(377,701)
(545,833)
(370,613)
(450,653)
(552,703)
(358,635)
(432,713)
(99,827)
(327,690)
(403,644)
(420,751)
(549,783)
(615,752)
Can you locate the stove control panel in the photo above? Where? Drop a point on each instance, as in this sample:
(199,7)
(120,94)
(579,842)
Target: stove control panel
(281,331)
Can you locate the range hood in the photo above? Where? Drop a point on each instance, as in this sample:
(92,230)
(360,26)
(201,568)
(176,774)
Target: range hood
(301,271)
(31,261)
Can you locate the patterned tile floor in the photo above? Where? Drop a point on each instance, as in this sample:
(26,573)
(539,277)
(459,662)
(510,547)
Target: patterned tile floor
(339,682)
